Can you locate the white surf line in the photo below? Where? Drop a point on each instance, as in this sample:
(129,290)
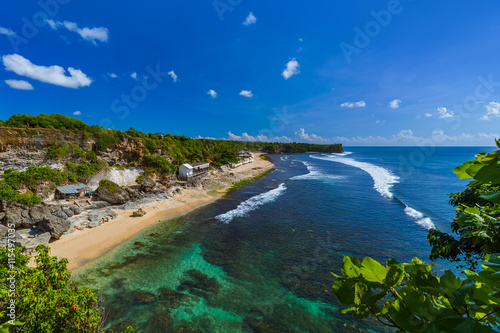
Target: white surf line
(314,173)
(383,179)
(252,204)
(419,218)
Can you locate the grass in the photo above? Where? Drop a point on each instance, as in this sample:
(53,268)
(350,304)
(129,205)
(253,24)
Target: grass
(246,181)
(265,158)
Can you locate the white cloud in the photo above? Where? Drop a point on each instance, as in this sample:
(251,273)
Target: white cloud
(77,113)
(7,32)
(492,110)
(251,19)
(19,84)
(261,138)
(173,76)
(360,104)
(246,93)
(301,40)
(91,34)
(428,114)
(212,93)
(444,113)
(134,75)
(395,103)
(292,68)
(404,137)
(112,75)
(53,74)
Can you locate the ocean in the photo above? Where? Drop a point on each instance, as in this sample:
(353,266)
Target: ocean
(260,259)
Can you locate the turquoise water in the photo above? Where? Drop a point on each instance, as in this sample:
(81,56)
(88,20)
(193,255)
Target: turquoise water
(259,260)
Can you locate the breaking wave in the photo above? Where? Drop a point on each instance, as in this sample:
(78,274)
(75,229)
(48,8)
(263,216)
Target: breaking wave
(419,218)
(314,173)
(383,179)
(252,204)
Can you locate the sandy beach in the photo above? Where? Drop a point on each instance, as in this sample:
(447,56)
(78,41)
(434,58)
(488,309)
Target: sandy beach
(82,246)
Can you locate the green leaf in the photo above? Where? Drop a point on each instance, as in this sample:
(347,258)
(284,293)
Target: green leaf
(492,197)
(351,267)
(373,271)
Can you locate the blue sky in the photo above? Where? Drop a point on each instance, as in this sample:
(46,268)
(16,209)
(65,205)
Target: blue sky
(359,72)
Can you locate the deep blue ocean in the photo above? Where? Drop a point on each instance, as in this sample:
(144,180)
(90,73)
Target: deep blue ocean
(259,259)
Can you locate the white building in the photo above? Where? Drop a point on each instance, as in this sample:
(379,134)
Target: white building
(188,171)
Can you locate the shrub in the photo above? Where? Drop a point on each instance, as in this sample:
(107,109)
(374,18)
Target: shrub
(91,155)
(57,152)
(104,141)
(108,185)
(46,298)
(159,163)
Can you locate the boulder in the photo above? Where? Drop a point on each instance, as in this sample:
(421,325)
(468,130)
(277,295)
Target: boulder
(110,192)
(42,239)
(14,216)
(96,216)
(56,226)
(39,213)
(139,213)
(94,224)
(20,241)
(76,210)
(3,230)
(146,183)
(110,213)
(69,212)
(60,213)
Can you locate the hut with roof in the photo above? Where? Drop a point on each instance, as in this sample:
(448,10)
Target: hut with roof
(72,191)
(189,171)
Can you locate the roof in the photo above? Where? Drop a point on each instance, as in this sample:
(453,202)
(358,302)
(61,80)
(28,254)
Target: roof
(187,165)
(70,189)
(198,164)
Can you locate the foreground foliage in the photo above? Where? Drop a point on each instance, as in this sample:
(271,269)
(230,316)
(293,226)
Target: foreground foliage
(46,299)
(410,297)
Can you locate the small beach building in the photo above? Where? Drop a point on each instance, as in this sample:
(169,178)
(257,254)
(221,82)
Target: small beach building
(72,191)
(188,171)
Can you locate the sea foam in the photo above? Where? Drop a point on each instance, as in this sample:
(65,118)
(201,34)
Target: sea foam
(314,173)
(419,218)
(383,179)
(252,204)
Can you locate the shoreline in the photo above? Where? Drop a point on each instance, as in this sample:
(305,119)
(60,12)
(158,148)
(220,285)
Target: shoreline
(83,246)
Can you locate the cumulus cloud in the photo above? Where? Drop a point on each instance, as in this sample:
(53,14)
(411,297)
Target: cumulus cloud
(444,113)
(251,19)
(428,114)
(134,75)
(54,74)
(246,93)
(492,110)
(19,84)
(402,138)
(173,76)
(112,75)
(212,93)
(395,103)
(77,113)
(90,34)
(7,32)
(360,104)
(292,68)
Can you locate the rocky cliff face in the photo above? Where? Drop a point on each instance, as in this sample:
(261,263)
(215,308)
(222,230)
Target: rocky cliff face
(21,148)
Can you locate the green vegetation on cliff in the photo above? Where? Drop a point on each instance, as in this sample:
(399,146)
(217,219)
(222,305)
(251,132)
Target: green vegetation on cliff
(181,148)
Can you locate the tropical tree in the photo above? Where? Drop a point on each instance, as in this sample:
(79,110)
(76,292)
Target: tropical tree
(45,299)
